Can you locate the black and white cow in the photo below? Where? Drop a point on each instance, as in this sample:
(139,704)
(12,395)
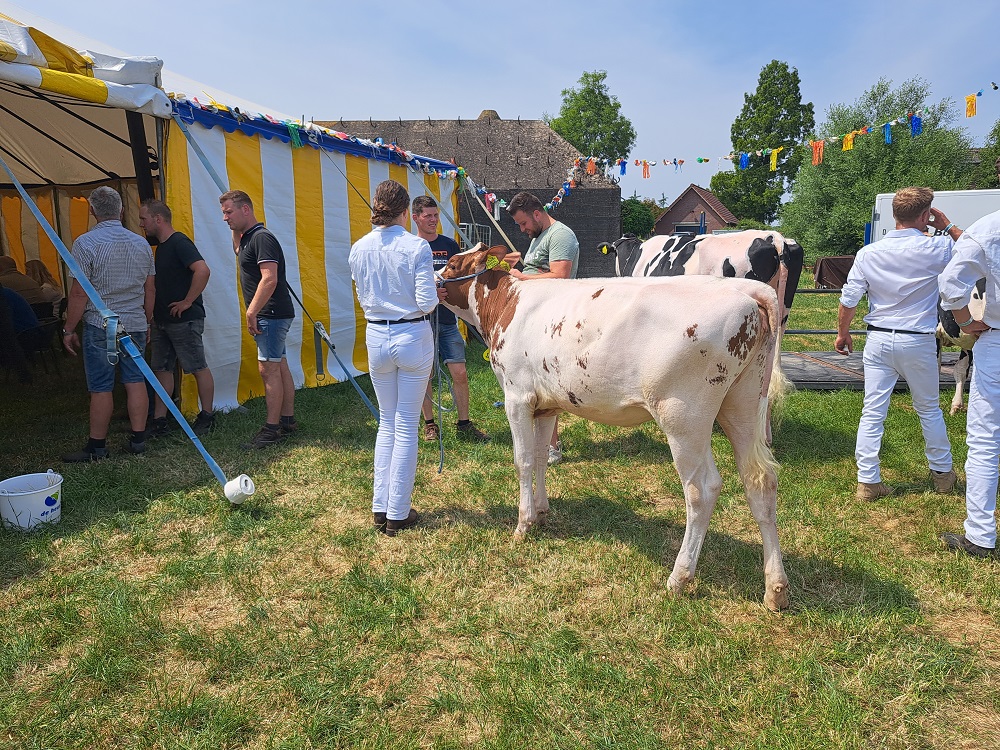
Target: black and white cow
(751,254)
(949,334)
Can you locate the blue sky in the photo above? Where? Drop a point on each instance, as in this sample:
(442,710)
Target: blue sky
(680,69)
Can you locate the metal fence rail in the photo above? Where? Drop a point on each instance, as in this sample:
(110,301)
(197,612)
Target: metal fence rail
(820,332)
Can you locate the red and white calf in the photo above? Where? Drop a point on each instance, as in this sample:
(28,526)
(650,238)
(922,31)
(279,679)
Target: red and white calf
(685,352)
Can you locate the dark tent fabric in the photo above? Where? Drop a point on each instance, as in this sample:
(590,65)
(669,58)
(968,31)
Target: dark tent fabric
(831,271)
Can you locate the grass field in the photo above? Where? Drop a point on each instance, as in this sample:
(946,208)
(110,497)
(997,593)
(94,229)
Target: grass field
(154,615)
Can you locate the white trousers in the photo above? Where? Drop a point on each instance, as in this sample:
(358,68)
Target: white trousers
(399,359)
(887,356)
(983,439)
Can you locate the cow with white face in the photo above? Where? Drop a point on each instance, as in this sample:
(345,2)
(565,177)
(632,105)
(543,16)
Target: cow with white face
(684,352)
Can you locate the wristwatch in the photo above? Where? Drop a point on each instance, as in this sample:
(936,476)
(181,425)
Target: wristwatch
(66,333)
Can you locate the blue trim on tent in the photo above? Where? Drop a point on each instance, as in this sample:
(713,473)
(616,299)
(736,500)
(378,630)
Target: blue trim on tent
(230,122)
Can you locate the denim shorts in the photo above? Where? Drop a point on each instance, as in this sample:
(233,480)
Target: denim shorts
(178,341)
(451,345)
(271,339)
(101,374)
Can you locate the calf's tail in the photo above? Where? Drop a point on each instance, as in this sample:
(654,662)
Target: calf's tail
(760,460)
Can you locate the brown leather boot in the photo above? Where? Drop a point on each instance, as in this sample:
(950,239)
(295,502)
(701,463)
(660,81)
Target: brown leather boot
(391,527)
(869,492)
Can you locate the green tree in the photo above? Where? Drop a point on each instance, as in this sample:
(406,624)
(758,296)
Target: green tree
(637,217)
(773,117)
(832,201)
(986,172)
(590,118)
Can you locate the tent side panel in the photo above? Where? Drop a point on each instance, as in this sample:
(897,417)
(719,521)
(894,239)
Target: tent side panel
(345,317)
(11,208)
(194,199)
(280,208)
(178,199)
(310,222)
(47,252)
(399,173)
(360,223)
(245,172)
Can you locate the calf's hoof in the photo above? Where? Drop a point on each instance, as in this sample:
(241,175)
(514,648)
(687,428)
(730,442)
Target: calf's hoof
(676,585)
(776,597)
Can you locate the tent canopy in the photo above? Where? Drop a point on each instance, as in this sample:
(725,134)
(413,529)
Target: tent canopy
(71,120)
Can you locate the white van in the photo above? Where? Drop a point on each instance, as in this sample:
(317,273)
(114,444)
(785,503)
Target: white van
(960,206)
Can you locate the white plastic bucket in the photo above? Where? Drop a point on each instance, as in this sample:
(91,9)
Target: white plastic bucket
(30,499)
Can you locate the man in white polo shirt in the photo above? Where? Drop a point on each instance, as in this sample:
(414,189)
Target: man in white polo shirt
(899,273)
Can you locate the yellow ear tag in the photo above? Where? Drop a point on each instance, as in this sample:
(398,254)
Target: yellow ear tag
(493,262)
(486,355)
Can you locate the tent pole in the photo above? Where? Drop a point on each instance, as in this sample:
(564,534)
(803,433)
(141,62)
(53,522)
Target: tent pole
(160,151)
(140,155)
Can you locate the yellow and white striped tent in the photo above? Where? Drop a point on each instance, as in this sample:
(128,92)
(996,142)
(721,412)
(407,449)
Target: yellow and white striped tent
(314,198)
(63,135)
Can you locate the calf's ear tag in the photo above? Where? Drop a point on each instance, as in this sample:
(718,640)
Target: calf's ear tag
(486,355)
(493,262)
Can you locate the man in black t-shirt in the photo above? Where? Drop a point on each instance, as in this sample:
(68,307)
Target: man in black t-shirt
(450,344)
(269,312)
(178,315)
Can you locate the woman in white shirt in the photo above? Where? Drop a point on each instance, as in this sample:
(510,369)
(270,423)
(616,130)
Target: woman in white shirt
(394,277)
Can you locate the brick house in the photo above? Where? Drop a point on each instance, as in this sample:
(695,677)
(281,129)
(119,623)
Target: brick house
(684,214)
(508,156)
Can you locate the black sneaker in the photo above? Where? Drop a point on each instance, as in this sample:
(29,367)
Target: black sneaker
(287,428)
(958,543)
(204,423)
(469,431)
(159,427)
(86,456)
(265,438)
(135,447)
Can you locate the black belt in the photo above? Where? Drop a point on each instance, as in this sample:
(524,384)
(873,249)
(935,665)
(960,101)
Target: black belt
(401,320)
(897,330)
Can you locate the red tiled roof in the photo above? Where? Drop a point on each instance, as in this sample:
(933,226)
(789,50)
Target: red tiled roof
(710,200)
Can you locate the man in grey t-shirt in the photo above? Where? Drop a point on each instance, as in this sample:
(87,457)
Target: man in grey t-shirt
(553,254)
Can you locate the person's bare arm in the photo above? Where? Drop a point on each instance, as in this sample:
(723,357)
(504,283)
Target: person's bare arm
(844,342)
(558,269)
(268,283)
(198,283)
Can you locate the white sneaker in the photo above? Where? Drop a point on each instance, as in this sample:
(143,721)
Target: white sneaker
(555,454)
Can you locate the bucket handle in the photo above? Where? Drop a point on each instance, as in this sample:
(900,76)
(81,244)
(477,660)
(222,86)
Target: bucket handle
(49,475)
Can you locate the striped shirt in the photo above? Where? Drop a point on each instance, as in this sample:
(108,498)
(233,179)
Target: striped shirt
(117,262)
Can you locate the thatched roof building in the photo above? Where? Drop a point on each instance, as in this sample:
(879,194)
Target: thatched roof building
(507,156)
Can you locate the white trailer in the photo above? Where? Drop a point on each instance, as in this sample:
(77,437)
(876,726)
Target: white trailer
(960,206)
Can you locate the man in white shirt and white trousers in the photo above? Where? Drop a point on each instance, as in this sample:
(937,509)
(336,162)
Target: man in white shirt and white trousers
(899,273)
(976,256)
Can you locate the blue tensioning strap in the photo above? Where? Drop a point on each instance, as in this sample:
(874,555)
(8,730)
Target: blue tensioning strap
(111,321)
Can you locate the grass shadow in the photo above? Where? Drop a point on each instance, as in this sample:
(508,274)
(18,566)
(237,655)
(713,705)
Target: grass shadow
(726,563)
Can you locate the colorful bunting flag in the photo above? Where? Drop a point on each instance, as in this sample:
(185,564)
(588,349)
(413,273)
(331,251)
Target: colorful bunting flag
(817,149)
